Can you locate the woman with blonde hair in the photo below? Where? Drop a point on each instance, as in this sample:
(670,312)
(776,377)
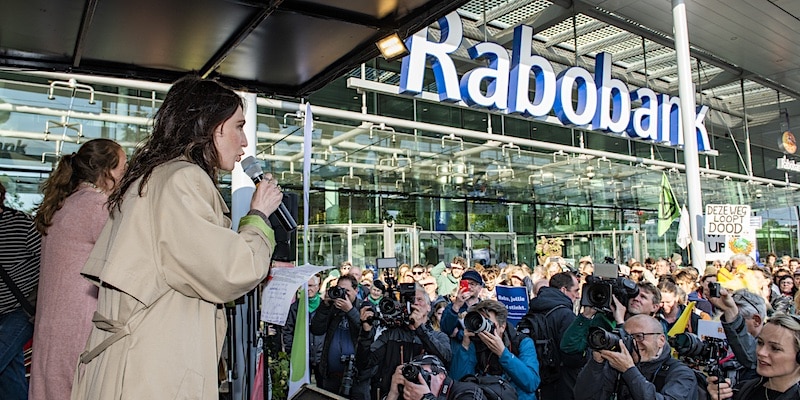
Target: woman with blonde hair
(778,353)
(70,218)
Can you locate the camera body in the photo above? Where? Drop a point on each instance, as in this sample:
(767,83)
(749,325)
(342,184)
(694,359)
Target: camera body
(411,371)
(335,292)
(713,289)
(709,352)
(475,322)
(597,292)
(601,339)
(394,309)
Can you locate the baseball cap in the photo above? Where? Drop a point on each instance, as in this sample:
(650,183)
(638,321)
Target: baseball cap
(473,276)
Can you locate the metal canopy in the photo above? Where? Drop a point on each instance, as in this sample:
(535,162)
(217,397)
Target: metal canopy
(273,46)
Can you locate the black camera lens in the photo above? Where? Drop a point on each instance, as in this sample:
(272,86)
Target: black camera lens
(599,295)
(411,372)
(601,339)
(687,344)
(335,292)
(475,322)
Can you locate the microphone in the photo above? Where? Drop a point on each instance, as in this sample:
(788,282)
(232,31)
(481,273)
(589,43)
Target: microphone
(252,168)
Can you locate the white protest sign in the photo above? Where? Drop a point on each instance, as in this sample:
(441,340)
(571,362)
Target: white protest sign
(716,248)
(727,219)
(710,329)
(281,288)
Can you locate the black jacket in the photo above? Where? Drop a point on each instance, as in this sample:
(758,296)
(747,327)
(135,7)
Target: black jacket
(558,322)
(326,320)
(378,357)
(749,388)
(597,381)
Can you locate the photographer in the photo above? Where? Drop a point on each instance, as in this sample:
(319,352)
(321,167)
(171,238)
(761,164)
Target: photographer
(469,290)
(491,347)
(631,364)
(778,368)
(430,381)
(402,336)
(337,318)
(743,316)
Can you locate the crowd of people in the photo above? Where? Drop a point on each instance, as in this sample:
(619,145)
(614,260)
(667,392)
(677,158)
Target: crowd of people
(443,322)
(133,259)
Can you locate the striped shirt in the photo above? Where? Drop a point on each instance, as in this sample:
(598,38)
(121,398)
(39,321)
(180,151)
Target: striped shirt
(20,248)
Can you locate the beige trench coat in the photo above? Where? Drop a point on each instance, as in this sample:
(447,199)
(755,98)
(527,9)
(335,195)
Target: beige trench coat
(163,264)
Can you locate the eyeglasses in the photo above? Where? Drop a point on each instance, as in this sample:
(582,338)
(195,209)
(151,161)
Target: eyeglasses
(639,337)
(418,272)
(454,267)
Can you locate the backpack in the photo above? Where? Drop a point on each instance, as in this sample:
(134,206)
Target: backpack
(661,378)
(482,387)
(534,326)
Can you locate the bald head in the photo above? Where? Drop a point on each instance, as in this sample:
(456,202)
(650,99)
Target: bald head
(643,323)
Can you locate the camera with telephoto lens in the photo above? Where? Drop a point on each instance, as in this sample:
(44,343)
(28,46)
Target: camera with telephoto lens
(335,292)
(710,352)
(599,292)
(475,322)
(394,309)
(601,339)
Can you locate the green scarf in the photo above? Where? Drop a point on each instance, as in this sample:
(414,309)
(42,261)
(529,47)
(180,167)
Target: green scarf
(313,303)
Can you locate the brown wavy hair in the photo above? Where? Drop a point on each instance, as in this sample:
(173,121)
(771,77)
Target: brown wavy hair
(92,163)
(182,127)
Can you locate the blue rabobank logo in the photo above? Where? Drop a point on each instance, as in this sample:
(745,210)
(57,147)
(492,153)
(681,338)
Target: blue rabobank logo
(575,96)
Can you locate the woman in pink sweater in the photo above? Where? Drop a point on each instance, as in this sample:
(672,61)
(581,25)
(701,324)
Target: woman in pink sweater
(70,218)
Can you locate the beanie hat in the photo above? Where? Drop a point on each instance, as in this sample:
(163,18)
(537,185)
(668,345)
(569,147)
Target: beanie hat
(473,276)
(377,283)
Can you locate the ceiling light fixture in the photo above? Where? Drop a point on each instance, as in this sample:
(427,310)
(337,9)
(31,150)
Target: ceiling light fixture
(392,47)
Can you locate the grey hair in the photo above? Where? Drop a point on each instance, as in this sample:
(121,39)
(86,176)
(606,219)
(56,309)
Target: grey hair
(750,304)
(421,289)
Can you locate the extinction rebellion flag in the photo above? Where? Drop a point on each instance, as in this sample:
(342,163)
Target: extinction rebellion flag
(668,208)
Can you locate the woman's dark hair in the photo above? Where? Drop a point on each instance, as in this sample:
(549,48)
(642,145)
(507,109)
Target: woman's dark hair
(92,163)
(182,127)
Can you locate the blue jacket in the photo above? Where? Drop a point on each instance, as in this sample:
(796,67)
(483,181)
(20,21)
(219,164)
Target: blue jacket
(522,371)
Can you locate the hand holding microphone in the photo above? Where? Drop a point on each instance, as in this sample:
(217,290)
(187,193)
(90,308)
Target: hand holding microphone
(269,198)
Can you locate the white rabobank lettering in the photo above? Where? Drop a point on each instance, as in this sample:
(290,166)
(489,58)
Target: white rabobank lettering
(614,104)
(644,119)
(603,103)
(496,74)
(413,66)
(669,116)
(586,106)
(523,64)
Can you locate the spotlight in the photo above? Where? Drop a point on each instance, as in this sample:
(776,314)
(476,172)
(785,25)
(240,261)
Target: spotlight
(392,47)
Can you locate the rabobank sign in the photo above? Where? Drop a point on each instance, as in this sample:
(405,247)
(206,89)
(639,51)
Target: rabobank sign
(575,96)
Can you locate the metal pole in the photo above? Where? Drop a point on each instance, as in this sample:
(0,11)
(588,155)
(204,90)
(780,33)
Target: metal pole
(746,131)
(691,161)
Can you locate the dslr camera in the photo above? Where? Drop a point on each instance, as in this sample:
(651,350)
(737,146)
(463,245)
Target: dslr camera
(411,371)
(394,309)
(709,352)
(600,288)
(335,292)
(601,339)
(475,322)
